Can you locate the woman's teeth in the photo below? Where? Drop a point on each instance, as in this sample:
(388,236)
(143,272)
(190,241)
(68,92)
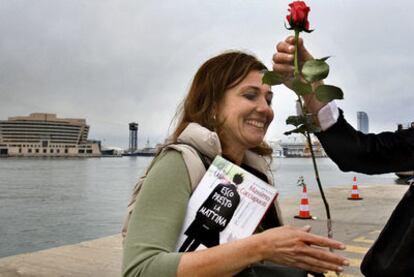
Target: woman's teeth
(255,123)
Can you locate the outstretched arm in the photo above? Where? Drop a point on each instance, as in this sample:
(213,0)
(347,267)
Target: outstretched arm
(379,153)
(349,149)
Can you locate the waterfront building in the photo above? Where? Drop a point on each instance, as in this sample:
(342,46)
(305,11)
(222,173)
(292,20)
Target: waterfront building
(363,122)
(297,146)
(44,134)
(316,147)
(277,149)
(293,146)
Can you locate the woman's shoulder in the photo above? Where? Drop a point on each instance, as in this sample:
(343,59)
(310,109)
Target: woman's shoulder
(169,174)
(168,161)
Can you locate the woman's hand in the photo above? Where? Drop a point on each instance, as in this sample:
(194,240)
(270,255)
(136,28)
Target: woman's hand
(290,246)
(296,247)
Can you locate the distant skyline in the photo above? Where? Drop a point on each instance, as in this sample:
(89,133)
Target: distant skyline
(116,62)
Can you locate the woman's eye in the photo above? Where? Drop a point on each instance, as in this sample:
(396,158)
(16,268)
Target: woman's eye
(250,95)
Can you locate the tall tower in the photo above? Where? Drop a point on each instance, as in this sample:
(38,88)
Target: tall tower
(133,137)
(363,122)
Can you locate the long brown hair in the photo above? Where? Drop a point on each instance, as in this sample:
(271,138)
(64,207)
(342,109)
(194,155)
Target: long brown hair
(208,87)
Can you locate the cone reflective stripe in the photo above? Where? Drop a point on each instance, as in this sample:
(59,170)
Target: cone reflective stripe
(304,212)
(354,192)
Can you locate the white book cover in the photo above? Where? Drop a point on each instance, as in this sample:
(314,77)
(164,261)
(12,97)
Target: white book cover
(228,204)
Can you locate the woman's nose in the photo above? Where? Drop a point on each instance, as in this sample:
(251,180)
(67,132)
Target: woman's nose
(263,106)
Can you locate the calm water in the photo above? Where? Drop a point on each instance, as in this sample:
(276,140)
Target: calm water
(51,202)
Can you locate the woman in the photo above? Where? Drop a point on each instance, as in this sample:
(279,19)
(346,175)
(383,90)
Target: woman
(226,112)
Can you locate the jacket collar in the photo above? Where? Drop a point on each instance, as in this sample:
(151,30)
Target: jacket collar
(208,143)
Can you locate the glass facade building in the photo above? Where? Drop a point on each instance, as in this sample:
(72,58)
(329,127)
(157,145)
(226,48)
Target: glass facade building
(363,122)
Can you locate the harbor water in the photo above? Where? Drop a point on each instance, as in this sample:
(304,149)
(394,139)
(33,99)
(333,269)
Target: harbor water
(46,203)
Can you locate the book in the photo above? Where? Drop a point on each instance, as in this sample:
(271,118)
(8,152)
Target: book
(228,204)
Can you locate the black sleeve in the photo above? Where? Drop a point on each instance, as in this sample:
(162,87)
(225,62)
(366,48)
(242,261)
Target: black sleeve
(379,153)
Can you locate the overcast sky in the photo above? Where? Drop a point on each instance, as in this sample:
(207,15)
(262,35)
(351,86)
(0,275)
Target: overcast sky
(113,62)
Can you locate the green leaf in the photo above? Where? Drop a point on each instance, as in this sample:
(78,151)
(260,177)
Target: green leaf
(327,93)
(315,70)
(296,120)
(300,88)
(301,129)
(288,28)
(313,128)
(324,58)
(272,78)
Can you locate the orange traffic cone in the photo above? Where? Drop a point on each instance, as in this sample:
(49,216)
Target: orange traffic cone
(355,194)
(304,212)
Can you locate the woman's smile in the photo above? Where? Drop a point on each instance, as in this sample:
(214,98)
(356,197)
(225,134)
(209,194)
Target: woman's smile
(256,123)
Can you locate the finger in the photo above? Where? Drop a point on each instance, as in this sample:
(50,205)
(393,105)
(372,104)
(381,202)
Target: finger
(303,260)
(318,264)
(306,228)
(308,267)
(303,52)
(283,58)
(284,69)
(285,47)
(291,40)
(325,256)
(322,241)
(312,268)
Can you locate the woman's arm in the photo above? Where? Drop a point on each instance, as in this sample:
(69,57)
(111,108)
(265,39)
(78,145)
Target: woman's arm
(290,246)
(155,224)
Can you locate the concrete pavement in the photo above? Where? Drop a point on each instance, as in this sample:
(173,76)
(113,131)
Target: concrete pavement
(355,223)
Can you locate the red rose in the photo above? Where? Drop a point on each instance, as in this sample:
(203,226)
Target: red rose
(298,17)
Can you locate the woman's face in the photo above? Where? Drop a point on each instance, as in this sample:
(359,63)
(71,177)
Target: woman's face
(246,112)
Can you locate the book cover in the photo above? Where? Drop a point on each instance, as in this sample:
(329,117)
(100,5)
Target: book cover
(228,204)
